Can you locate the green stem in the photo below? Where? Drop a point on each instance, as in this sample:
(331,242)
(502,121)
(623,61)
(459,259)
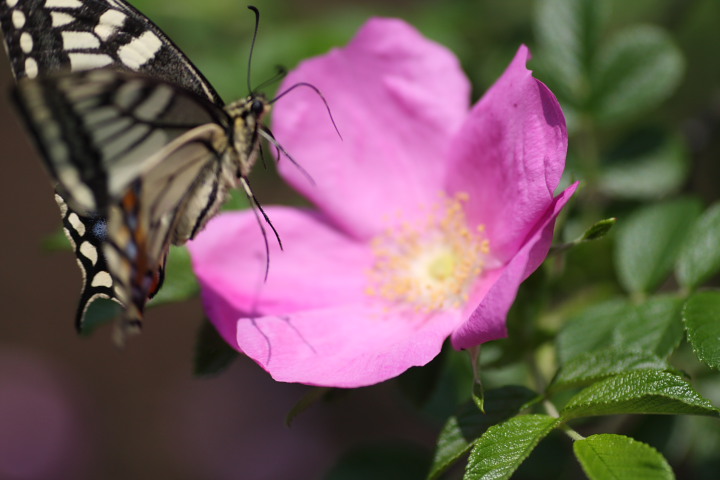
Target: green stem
(550,408)
(571,433)
(475,361)
(537,377)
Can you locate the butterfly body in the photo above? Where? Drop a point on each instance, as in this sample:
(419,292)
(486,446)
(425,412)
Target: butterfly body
(142,149)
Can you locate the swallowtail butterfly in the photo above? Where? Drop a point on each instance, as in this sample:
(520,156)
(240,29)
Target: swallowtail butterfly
(142,148)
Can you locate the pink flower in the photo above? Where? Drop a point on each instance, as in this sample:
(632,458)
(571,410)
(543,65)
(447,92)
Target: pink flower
(429,214)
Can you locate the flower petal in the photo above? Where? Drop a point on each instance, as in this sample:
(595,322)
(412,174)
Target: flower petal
(346,346)
(396,98)
(509,156)
(495,293)
(319,266)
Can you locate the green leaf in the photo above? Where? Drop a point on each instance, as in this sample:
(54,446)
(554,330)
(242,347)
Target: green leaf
(591,329)
(311,397)
(418,384)
(568,33)
(180,281)
(639,391)
(699,257)
(212,353)
(56,242)
(702,321)
(647,164)
(502,448)
(636,71)
(180,284)
(608,456)
(654,326)
(462,429)
(647,242)
(236,200)
(590,367)
(598,229)
(381,461)
(99,312)
(478,395)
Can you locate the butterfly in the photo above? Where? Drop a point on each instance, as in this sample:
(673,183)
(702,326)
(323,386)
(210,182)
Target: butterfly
(141,147)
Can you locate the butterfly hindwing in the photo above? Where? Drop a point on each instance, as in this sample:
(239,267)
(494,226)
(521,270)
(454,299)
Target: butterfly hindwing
(151,214)
(87,236)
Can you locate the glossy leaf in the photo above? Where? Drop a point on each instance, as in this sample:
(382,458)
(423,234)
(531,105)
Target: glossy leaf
(654,326)
(639,391)
(462,429)
(702,321)
(589,367)
(502,448)
(618,457)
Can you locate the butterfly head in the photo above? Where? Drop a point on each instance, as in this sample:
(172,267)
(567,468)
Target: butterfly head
(247,116)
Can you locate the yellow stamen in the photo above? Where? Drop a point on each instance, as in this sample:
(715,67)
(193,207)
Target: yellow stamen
(431,264)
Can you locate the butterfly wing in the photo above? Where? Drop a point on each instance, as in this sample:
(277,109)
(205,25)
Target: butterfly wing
(99,130)
(144,223)
(44,37)
(87,233)
(139,148)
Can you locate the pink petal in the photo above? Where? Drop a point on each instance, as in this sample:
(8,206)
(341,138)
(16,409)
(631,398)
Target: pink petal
(509,157)
(397,98)
(345,346)
(319,266)
(496,292)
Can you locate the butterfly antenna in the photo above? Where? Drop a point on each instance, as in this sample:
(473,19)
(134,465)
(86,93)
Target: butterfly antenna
(252,44)
(316,90)
(268,135)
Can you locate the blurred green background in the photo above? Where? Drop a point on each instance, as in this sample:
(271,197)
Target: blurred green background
(79,408)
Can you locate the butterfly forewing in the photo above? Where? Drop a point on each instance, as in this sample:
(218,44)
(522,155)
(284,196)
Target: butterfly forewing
(46,36)
(98,129)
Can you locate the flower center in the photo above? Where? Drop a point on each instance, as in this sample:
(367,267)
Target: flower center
(430,264)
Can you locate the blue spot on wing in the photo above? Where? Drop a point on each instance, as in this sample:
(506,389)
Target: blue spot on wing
(99,228)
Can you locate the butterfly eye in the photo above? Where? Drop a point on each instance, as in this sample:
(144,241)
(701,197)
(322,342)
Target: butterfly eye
(257,108)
